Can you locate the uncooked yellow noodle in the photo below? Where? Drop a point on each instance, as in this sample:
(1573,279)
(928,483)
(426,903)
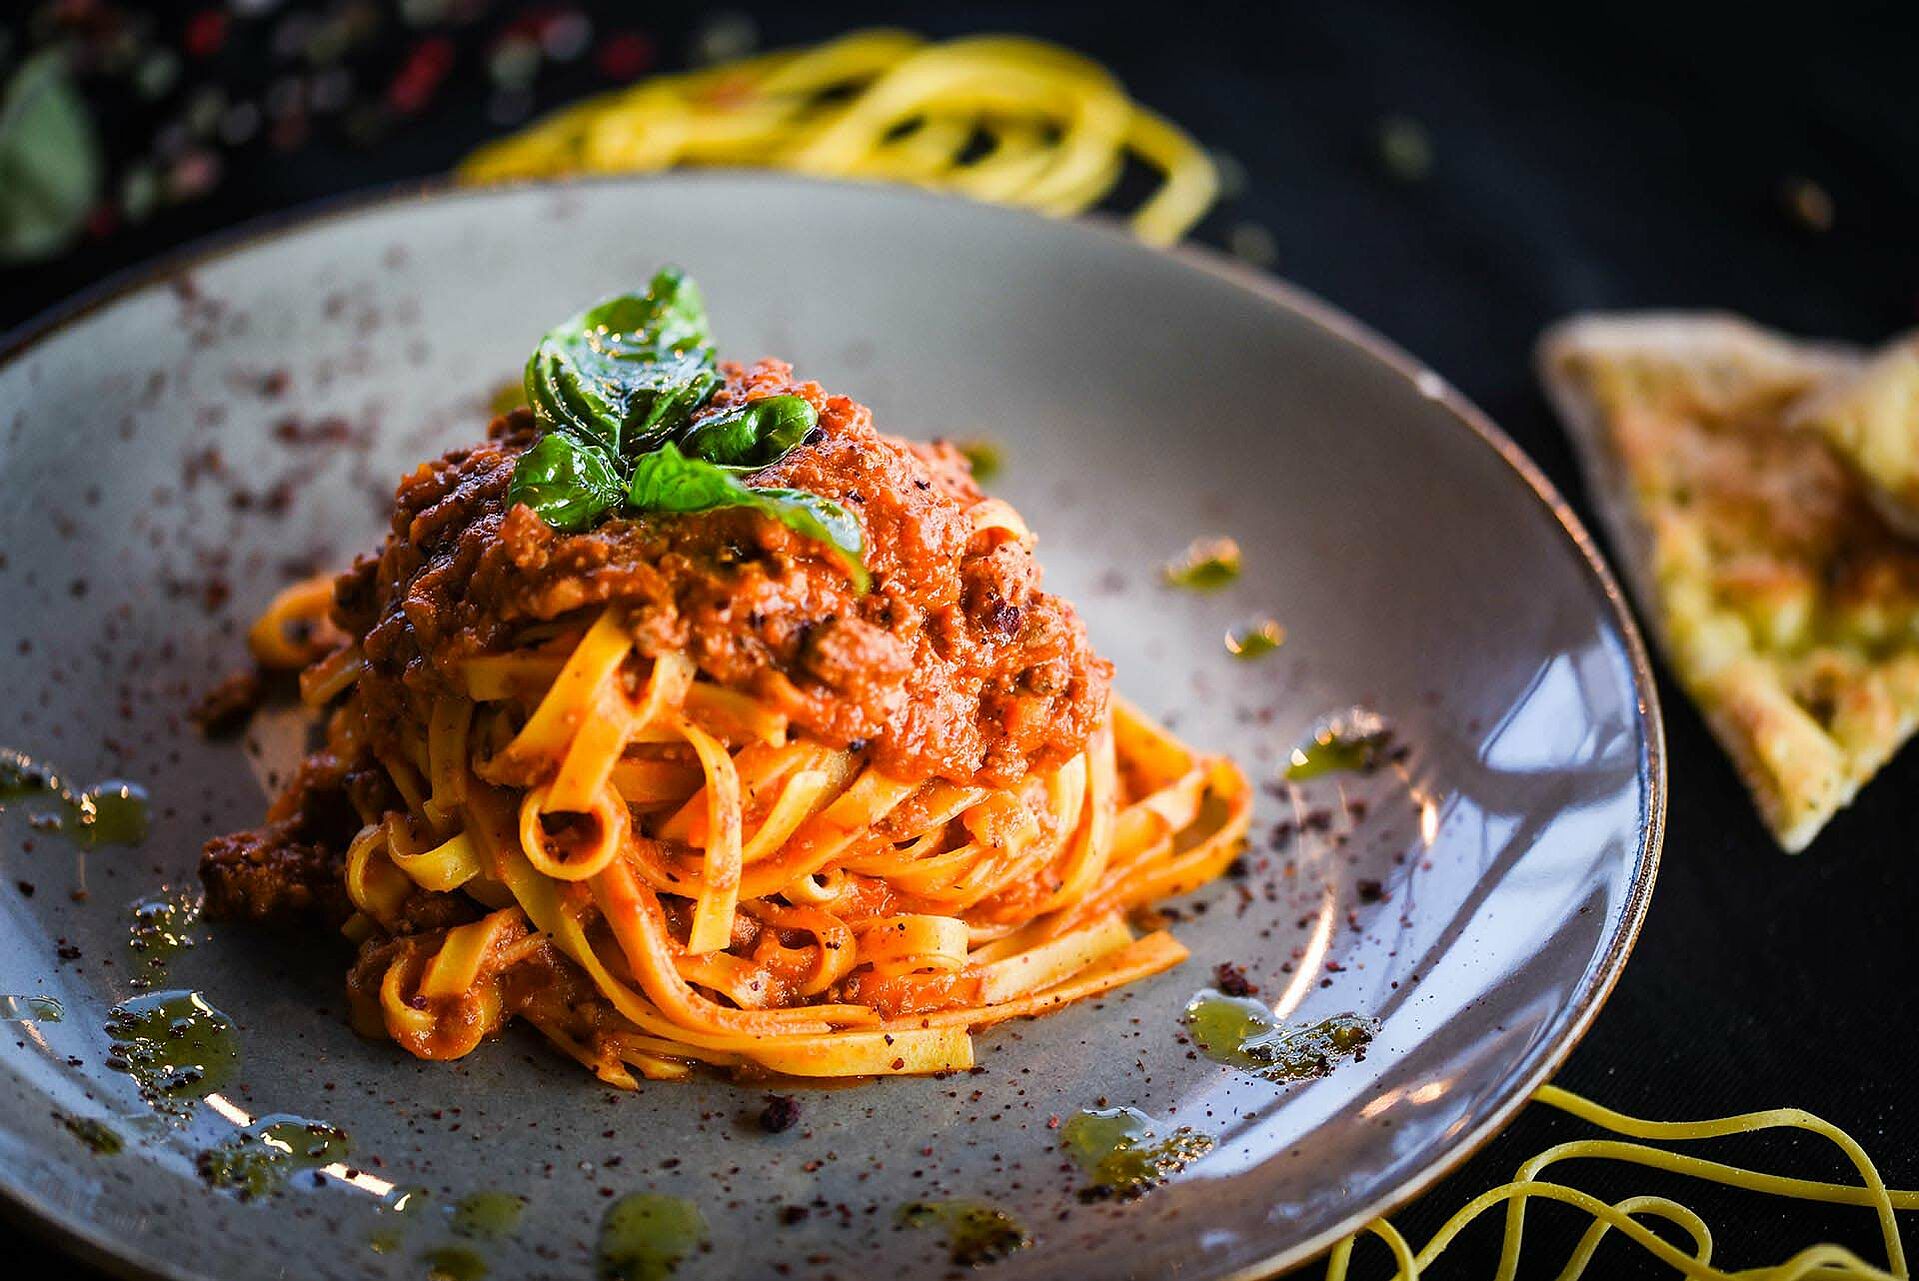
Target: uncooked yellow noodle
(1625,1217)
(1000,118)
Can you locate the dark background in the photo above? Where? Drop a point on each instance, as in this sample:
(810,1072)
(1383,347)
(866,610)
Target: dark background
(1634,156)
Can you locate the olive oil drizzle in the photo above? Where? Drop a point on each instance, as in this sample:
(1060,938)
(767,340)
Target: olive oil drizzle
(160,930)
(175,1045)
(487,1215)
(454,1263)
(1355,741)
(110,812)
(976,1233)
(1241,1032)
(409,1204)
(645,1236)
(260,1159)
(1127,1153)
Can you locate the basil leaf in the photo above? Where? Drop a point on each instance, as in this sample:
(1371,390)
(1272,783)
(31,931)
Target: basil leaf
(50,165)
(668,481)
(566,482)
(629,372)
(754,435)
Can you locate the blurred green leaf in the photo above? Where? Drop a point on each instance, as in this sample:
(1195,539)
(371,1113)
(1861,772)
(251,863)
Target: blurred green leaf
(50,166)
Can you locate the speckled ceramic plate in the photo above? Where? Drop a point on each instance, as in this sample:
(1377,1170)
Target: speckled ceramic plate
(176,447)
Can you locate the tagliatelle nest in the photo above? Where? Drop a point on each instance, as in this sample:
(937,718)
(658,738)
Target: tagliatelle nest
(999,118)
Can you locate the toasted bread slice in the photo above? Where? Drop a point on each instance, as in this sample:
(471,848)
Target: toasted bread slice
(1787,606)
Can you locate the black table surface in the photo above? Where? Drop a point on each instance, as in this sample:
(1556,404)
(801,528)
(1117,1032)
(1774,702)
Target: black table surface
(1632,157)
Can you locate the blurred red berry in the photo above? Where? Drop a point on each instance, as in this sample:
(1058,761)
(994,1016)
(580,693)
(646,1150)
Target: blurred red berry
(625,55)
(420,77)
(206,32)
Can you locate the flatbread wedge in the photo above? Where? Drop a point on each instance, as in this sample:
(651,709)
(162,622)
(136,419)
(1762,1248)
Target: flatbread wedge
(1787,606)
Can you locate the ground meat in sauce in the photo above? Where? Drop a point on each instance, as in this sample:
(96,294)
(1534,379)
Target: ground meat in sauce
(223,710)
(957,665)
(292,865)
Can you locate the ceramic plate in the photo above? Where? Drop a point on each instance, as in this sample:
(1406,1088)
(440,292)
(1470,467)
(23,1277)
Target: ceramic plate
(176,448)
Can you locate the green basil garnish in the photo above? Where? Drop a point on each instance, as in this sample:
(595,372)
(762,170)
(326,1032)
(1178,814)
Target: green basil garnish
(754,435)
(668,481)
(630,372)
(568,483)
(615,390)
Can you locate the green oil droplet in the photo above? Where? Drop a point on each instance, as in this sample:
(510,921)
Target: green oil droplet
(488,1215)
(1256,640)
(1353,741)
(31,1009)
(99,1137)
(644,1237)
(1241,1032)
(113,812)
(36,790)
(986,457)
(261,1157)
(175,1045)
(22,777)
(1208,564)
(110,813)
(453,1263)
(1221,1025)
(976,1233)
(161,929)
(410,1203)
(1127,1153)
(1333,756)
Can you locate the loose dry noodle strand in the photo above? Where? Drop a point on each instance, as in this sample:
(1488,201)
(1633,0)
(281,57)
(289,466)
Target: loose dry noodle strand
(1000,118)
(1824,1261)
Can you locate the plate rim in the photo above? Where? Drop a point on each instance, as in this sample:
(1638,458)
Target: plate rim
(1588,1003)
(74,1234)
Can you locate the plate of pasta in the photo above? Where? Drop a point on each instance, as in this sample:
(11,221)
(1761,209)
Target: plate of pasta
(731,724)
